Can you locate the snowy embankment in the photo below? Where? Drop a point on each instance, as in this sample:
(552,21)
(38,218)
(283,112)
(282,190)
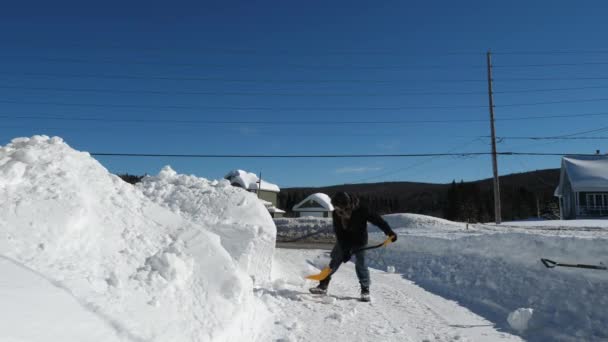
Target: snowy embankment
(126,264)
(309,229)
(494,271)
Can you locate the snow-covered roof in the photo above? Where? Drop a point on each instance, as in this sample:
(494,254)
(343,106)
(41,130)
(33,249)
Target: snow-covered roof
(275,210)
(249,181)
(585,173)
(322,200)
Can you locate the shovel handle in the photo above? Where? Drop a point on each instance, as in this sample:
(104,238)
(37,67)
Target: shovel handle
(548,263)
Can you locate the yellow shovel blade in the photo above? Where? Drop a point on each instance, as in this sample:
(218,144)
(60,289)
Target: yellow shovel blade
(324,274)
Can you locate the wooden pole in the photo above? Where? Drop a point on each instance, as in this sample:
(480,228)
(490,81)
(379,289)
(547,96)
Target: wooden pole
(259,185)
(497,211)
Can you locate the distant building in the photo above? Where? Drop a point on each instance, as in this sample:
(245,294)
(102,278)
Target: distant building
(317,205)
(267,192)
(583,187)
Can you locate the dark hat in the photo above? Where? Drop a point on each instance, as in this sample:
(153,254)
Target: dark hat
(341,199)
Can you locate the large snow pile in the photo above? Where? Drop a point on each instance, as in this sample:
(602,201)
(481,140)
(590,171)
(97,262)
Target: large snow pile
(146,272)
(237,216)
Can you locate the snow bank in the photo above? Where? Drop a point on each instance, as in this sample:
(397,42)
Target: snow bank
(429,224)
(305,229)
(146,272)
(495,271)
(246,229)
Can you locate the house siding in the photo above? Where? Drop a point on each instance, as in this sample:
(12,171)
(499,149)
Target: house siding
(268,196)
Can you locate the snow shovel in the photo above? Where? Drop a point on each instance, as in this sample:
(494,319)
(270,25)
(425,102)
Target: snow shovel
(325,272)
(551,264)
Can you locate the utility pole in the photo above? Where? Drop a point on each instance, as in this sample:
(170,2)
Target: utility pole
(497,212)
(259,184)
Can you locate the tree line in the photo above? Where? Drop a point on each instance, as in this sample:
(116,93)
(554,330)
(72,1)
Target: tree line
(523,196)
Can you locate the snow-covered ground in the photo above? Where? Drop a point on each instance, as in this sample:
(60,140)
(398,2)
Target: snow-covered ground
(495,270)
(86,256)
(399,311)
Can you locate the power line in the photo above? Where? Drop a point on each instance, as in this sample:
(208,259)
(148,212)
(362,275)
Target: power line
(551,102)
(236,66)
(296,108)
(289,94)
(464,154)
(246,51)
(414,165)
(540,65)
(233,93)
(590,78)
(232,108)
(554,138)
(299,122)
(230,80)
(551,52)
(548,90)
(551,116)
(241,122)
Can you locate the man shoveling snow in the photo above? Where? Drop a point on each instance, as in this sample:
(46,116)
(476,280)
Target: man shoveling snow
(350,226)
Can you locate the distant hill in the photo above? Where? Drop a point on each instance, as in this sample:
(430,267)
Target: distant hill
(523,195)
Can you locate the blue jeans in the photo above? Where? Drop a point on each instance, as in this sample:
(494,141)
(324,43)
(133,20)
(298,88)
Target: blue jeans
(337,257)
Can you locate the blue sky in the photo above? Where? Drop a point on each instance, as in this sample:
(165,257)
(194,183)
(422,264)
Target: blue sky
(306,61)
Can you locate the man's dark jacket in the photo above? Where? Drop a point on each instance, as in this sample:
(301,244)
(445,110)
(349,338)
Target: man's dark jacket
(355,235)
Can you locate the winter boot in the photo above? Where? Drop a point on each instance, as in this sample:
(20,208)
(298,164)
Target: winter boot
(321,288)
(365,294)
(318,290)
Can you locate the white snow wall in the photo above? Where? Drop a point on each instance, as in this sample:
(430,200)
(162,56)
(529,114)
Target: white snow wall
(495,274)
(244,225)
(150,274)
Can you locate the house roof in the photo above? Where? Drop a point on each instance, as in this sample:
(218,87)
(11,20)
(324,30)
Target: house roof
(275,210)
(249,181)
(322,200)
(585,173)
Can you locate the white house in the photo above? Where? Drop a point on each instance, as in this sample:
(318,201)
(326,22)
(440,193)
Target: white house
(583,187)
(318,205)
(267,192)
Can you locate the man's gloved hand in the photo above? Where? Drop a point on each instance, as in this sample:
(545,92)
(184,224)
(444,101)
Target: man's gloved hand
(393,236)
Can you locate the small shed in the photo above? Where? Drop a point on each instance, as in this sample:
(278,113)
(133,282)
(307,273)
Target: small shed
(317,205)
(583,187)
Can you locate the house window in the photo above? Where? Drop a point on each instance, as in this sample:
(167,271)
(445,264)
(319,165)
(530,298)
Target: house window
(310,204)
(597,203)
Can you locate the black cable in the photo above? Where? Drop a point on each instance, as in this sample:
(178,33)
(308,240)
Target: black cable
(301,122)
(525,91)
(464,154)
(231,80)
(234,108)
(233,93)
(235,66)
(551,102)
(546,65)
